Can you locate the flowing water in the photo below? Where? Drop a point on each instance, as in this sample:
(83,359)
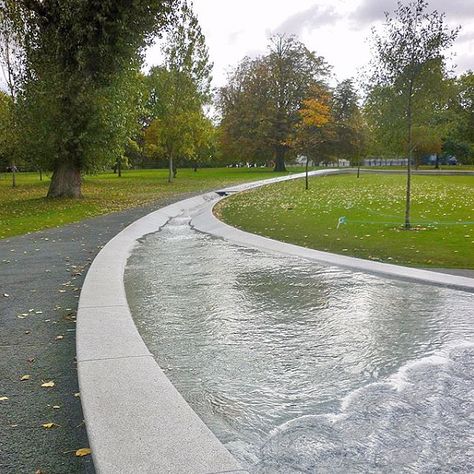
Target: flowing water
(298,367)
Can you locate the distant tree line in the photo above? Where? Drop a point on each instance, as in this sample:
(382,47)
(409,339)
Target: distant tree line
(78,101)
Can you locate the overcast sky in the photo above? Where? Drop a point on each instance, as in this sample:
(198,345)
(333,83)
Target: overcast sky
(335,29)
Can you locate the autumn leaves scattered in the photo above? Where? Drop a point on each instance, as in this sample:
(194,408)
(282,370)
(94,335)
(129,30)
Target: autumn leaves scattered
(50,425)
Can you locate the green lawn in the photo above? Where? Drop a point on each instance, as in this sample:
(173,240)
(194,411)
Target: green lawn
(443,209)
(25,209)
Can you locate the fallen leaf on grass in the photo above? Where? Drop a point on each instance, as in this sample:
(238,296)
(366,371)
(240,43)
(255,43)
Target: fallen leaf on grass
(77,394)
(48,384)
(50,426)
(25,377)
(58,338)
(56,407)
(83,452)
(2,399)
(6,295)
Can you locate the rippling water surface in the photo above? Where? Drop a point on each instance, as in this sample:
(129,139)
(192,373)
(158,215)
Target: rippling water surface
(298,367)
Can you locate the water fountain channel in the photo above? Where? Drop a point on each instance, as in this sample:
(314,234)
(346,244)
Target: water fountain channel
(300,367)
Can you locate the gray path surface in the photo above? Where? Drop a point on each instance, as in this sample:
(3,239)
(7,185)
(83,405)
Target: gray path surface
(42,274)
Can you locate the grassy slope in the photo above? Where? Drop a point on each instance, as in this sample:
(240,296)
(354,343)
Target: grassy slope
(374,208)
(25,208)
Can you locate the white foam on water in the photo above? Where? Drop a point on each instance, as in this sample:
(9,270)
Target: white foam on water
(421,419)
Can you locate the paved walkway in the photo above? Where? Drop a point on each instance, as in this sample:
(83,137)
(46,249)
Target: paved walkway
(40,279)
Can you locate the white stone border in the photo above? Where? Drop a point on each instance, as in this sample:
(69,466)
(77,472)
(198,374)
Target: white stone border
(136,420)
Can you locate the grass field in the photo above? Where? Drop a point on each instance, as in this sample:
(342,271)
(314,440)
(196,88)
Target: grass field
(25,209)
(373,205)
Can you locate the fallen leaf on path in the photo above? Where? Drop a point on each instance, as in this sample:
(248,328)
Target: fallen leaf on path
(83,452)
(77,394)
(48,384)
(25,377)
(50,426)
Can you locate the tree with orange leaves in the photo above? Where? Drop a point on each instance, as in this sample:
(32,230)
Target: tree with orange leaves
(314,127)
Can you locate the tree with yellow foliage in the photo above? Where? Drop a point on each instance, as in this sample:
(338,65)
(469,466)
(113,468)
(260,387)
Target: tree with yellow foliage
(314,127)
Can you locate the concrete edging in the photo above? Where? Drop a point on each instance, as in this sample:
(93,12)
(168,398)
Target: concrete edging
(136,420)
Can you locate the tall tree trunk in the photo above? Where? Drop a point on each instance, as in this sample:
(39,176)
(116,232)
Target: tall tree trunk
(66,181)
(170,168)
(41,174)
(408,194)
(119,167)
(306,175)
(437,162)
(358,167)
(280,153)
(410,155)
(175,169)
(13,176)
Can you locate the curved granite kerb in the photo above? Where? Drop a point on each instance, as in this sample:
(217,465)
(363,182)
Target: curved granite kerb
(136,420)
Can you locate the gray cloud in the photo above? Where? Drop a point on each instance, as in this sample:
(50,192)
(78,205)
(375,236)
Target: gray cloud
(373,10)
(464,63)
(234,36)
(465,37)
(308,19)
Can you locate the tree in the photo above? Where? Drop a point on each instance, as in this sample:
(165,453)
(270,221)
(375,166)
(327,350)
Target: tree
(349,125)
(11,68)
(178,91)
(413,41)
(260,105)
(178,123)
(313,128)
(293,70)
(459,139)
(244,127)
(78,57)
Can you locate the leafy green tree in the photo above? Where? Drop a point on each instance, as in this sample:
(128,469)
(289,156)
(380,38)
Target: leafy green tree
(261,102)
(78,58)
(293,70)
(5,130)
(459,139)
(178,92)
(244,128)
(410,47)
(349,124)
